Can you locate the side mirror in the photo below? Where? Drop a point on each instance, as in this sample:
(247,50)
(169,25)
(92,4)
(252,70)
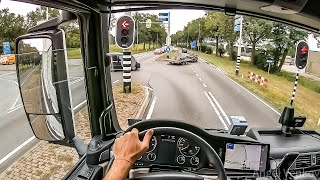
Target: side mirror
(44,86)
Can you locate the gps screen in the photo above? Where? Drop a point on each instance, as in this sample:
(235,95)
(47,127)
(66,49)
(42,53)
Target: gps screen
(246,157)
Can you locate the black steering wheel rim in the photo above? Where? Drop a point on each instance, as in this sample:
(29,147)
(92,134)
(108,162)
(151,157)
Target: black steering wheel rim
(209,151)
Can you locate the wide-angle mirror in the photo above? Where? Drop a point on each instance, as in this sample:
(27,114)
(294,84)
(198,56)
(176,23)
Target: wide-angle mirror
(36,67)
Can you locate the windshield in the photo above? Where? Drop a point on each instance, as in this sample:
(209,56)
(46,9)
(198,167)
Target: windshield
(201,71)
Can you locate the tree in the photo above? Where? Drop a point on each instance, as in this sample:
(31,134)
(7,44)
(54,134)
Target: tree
(40,14)
(11,26)
(284,38)
(213,26)
(255,30)
(228,33)
(72,32)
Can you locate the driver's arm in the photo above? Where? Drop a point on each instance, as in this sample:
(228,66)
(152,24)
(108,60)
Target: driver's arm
(127,149)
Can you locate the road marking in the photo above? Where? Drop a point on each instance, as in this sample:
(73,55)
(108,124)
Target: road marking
(77,106)
(16,108)
(151,108)
(15,102)
(10,81)
(216,110)
(197,74)
(223,113)
(6,74)
(28,76)
(200,79)
(249,92)
(16,150)
(204,85)
(115,81)
(77,80)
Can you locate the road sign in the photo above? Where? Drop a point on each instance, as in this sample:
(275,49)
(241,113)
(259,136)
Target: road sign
(6,48)
(269,61)
(237,28)
(168,49)
(193,44)
(148,23)
(163,17)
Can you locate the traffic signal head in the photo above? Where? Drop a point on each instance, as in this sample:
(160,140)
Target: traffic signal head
(125,29)
(302,53)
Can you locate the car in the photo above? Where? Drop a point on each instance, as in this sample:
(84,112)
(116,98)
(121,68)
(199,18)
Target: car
(184,50)
(157,51)
(117,62)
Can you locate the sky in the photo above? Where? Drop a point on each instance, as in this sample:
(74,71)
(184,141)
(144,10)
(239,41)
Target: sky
(179,18)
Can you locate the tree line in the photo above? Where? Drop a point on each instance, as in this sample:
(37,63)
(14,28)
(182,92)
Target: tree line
(14,25)
(278,39)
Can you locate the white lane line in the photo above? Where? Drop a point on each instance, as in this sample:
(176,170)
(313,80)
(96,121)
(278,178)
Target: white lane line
(77,80)
(204,85)
(216,110)
(15,102)
(197,74)
(250,93)
(16,150)
(200,79)
(6,74)
(220,108)
(16,108)
(115,81)
(151,108)
(77,106)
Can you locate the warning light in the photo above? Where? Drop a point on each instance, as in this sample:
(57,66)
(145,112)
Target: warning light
(302,54)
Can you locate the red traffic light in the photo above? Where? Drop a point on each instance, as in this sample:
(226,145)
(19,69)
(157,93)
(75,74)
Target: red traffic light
(125,24)
(304,49)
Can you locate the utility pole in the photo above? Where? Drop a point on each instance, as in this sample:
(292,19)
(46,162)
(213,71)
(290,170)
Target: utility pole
(168,35)
(137,35)
(157,40)
(188,39)
(199,38)
(239,48)
(47,14)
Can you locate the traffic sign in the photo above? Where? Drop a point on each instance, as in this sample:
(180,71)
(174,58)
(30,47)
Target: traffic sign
(6,48)
(148,23)
(237,28)
(168,49)
(194,44)
(163,19)
(269,61)
(163,16)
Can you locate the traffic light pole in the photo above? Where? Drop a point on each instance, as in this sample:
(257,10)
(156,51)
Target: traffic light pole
(127,67)
(239,49)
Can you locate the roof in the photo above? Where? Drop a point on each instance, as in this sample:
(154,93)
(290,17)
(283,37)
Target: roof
(302,13)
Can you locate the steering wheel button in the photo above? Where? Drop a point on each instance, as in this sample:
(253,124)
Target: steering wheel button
(181,159)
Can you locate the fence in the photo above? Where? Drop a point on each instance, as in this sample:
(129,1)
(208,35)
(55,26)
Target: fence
(258,79)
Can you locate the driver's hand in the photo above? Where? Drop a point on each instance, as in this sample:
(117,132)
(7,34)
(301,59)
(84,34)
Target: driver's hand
(129,148)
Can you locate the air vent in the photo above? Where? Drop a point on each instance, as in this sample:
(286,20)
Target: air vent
(303,161)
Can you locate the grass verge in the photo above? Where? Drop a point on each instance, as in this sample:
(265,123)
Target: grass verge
(75,53)
(279,90)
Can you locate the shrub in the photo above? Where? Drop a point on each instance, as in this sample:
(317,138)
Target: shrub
(234,55)
(221,51)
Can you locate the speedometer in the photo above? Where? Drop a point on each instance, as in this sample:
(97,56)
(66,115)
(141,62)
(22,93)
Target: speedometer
(153,144)
(187,148)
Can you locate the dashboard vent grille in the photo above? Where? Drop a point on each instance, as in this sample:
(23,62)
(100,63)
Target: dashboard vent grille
(303,161)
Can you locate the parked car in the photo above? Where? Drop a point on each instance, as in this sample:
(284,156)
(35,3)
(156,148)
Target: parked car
(184,50)
(157,51)
(117,62)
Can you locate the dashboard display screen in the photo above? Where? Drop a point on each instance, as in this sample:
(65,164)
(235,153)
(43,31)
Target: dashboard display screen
(249,157)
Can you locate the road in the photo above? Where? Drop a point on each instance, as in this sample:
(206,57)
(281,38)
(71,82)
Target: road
(196,93)
(200,94)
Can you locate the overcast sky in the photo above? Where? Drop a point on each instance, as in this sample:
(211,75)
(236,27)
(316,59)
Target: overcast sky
(179,18)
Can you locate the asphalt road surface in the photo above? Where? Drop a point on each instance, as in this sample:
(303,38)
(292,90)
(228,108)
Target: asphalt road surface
(200,94)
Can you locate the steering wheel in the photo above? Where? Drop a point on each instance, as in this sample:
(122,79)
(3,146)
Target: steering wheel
(209,151)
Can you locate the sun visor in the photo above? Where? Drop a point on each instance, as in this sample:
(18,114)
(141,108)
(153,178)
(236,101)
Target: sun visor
(285,6)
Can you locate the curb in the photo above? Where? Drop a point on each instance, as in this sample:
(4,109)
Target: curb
(145,104)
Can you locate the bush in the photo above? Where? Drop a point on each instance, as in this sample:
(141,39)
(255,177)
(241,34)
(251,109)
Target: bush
(234,55)
(221,51)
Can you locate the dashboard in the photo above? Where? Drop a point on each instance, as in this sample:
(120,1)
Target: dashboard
(177,151)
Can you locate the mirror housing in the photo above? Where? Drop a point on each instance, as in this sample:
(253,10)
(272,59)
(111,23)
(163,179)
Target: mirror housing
(57,63)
